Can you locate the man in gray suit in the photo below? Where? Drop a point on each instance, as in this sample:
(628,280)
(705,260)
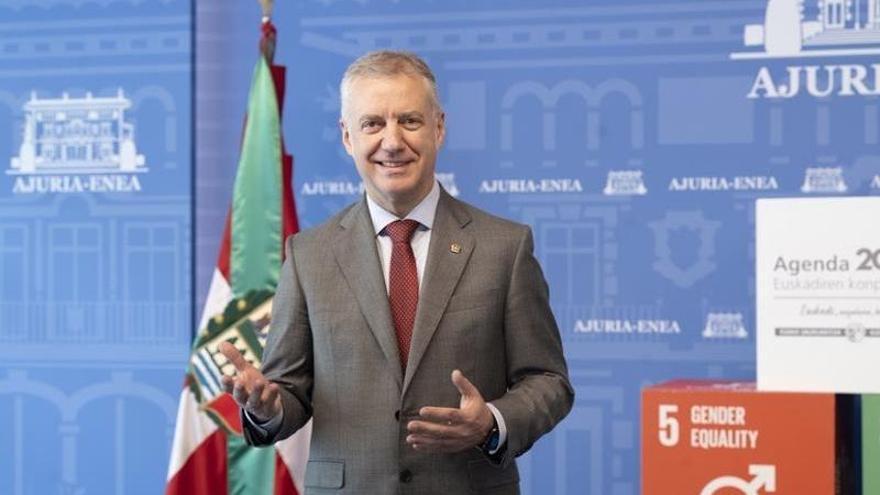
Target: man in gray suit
(413,329)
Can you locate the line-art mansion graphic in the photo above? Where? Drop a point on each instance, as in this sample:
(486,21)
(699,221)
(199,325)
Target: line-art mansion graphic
(77,135)
(841,27)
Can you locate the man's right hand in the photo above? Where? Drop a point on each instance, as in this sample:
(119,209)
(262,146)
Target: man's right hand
(250,389)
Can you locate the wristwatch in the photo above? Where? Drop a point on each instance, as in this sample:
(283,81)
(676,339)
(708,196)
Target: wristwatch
(490,444)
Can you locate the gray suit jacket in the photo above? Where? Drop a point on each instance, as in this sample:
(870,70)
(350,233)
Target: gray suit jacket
(333,351)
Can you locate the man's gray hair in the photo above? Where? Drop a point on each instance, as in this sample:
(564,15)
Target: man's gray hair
(387,63)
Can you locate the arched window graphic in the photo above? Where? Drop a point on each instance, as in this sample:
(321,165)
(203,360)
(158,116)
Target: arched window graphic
(128,414)
(155,106)
(548,121)
(34,410)
(549,99)
(108,418)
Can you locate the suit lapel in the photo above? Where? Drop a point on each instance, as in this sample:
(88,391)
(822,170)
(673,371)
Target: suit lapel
(448,253)
(355,251)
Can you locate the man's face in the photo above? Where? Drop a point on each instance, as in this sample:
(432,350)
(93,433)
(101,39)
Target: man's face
(393,132)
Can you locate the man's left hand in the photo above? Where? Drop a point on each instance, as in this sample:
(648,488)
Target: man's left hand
(444,429)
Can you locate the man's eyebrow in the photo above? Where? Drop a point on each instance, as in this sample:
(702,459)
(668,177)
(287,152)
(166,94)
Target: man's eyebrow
(407,115)
(368,117)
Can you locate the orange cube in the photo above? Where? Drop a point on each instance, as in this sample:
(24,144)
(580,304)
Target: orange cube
(722,438)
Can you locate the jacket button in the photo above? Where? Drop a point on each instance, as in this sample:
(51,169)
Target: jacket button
(397,415)
(406,476)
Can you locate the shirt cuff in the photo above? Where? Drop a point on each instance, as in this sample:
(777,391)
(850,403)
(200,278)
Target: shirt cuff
(502,428)
(268,428)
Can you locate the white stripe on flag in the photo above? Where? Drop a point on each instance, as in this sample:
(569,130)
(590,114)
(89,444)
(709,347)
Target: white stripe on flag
(206,379)
(193,425)
(212,367)
(219,295)
(188,438)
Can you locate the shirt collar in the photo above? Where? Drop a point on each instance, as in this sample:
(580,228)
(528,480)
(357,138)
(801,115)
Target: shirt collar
(423,213)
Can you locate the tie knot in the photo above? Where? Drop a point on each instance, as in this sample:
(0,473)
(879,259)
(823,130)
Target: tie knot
(401,230)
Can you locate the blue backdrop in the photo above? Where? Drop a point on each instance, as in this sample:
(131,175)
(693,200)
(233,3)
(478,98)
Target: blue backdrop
(633,136)
(95,241)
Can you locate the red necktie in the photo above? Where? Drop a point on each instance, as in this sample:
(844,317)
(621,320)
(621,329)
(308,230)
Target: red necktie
(403,284)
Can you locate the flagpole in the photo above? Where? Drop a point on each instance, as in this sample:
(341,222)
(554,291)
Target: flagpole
(267,42)
(267,6)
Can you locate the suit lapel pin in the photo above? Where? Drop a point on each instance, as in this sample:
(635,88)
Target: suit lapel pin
(455,247)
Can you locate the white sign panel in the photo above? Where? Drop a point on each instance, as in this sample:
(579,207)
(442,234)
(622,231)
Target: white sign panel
(818,294)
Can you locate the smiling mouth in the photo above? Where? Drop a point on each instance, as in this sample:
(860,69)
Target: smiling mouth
(393,164)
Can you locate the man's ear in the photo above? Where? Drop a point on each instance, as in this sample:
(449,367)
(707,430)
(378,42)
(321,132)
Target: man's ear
(346,136)
(441,128)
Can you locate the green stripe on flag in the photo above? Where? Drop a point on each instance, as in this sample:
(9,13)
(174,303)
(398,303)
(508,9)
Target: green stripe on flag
(251,469)
(255,257)
(256,203)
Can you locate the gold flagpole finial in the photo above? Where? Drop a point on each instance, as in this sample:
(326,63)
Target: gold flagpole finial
(267,5)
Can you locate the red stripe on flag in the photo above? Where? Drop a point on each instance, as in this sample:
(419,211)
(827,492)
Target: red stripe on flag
(224,409)
(279,73)
(283,481)
(225,246)
(288,207)
(204,472)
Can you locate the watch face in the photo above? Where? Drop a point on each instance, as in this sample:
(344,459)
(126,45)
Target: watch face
(491,442)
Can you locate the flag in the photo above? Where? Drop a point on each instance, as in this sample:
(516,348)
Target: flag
(208,454)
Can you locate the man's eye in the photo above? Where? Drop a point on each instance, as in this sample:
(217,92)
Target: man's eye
(411,123)
(369,125)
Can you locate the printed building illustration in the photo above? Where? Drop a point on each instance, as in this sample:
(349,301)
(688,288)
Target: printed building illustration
(84,135)
(787,29)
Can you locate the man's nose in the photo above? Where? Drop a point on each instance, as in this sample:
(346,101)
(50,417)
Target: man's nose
(392,138)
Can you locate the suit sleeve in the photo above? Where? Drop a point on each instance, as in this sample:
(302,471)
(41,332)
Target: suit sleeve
(288,357)
(539,392)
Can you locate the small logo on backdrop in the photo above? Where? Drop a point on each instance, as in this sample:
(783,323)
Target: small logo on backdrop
(725,326)
(77,145)
(689,226)
(855,332)
(530,186)
(624,183)
(823,28)
(714,183)
(824,180)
